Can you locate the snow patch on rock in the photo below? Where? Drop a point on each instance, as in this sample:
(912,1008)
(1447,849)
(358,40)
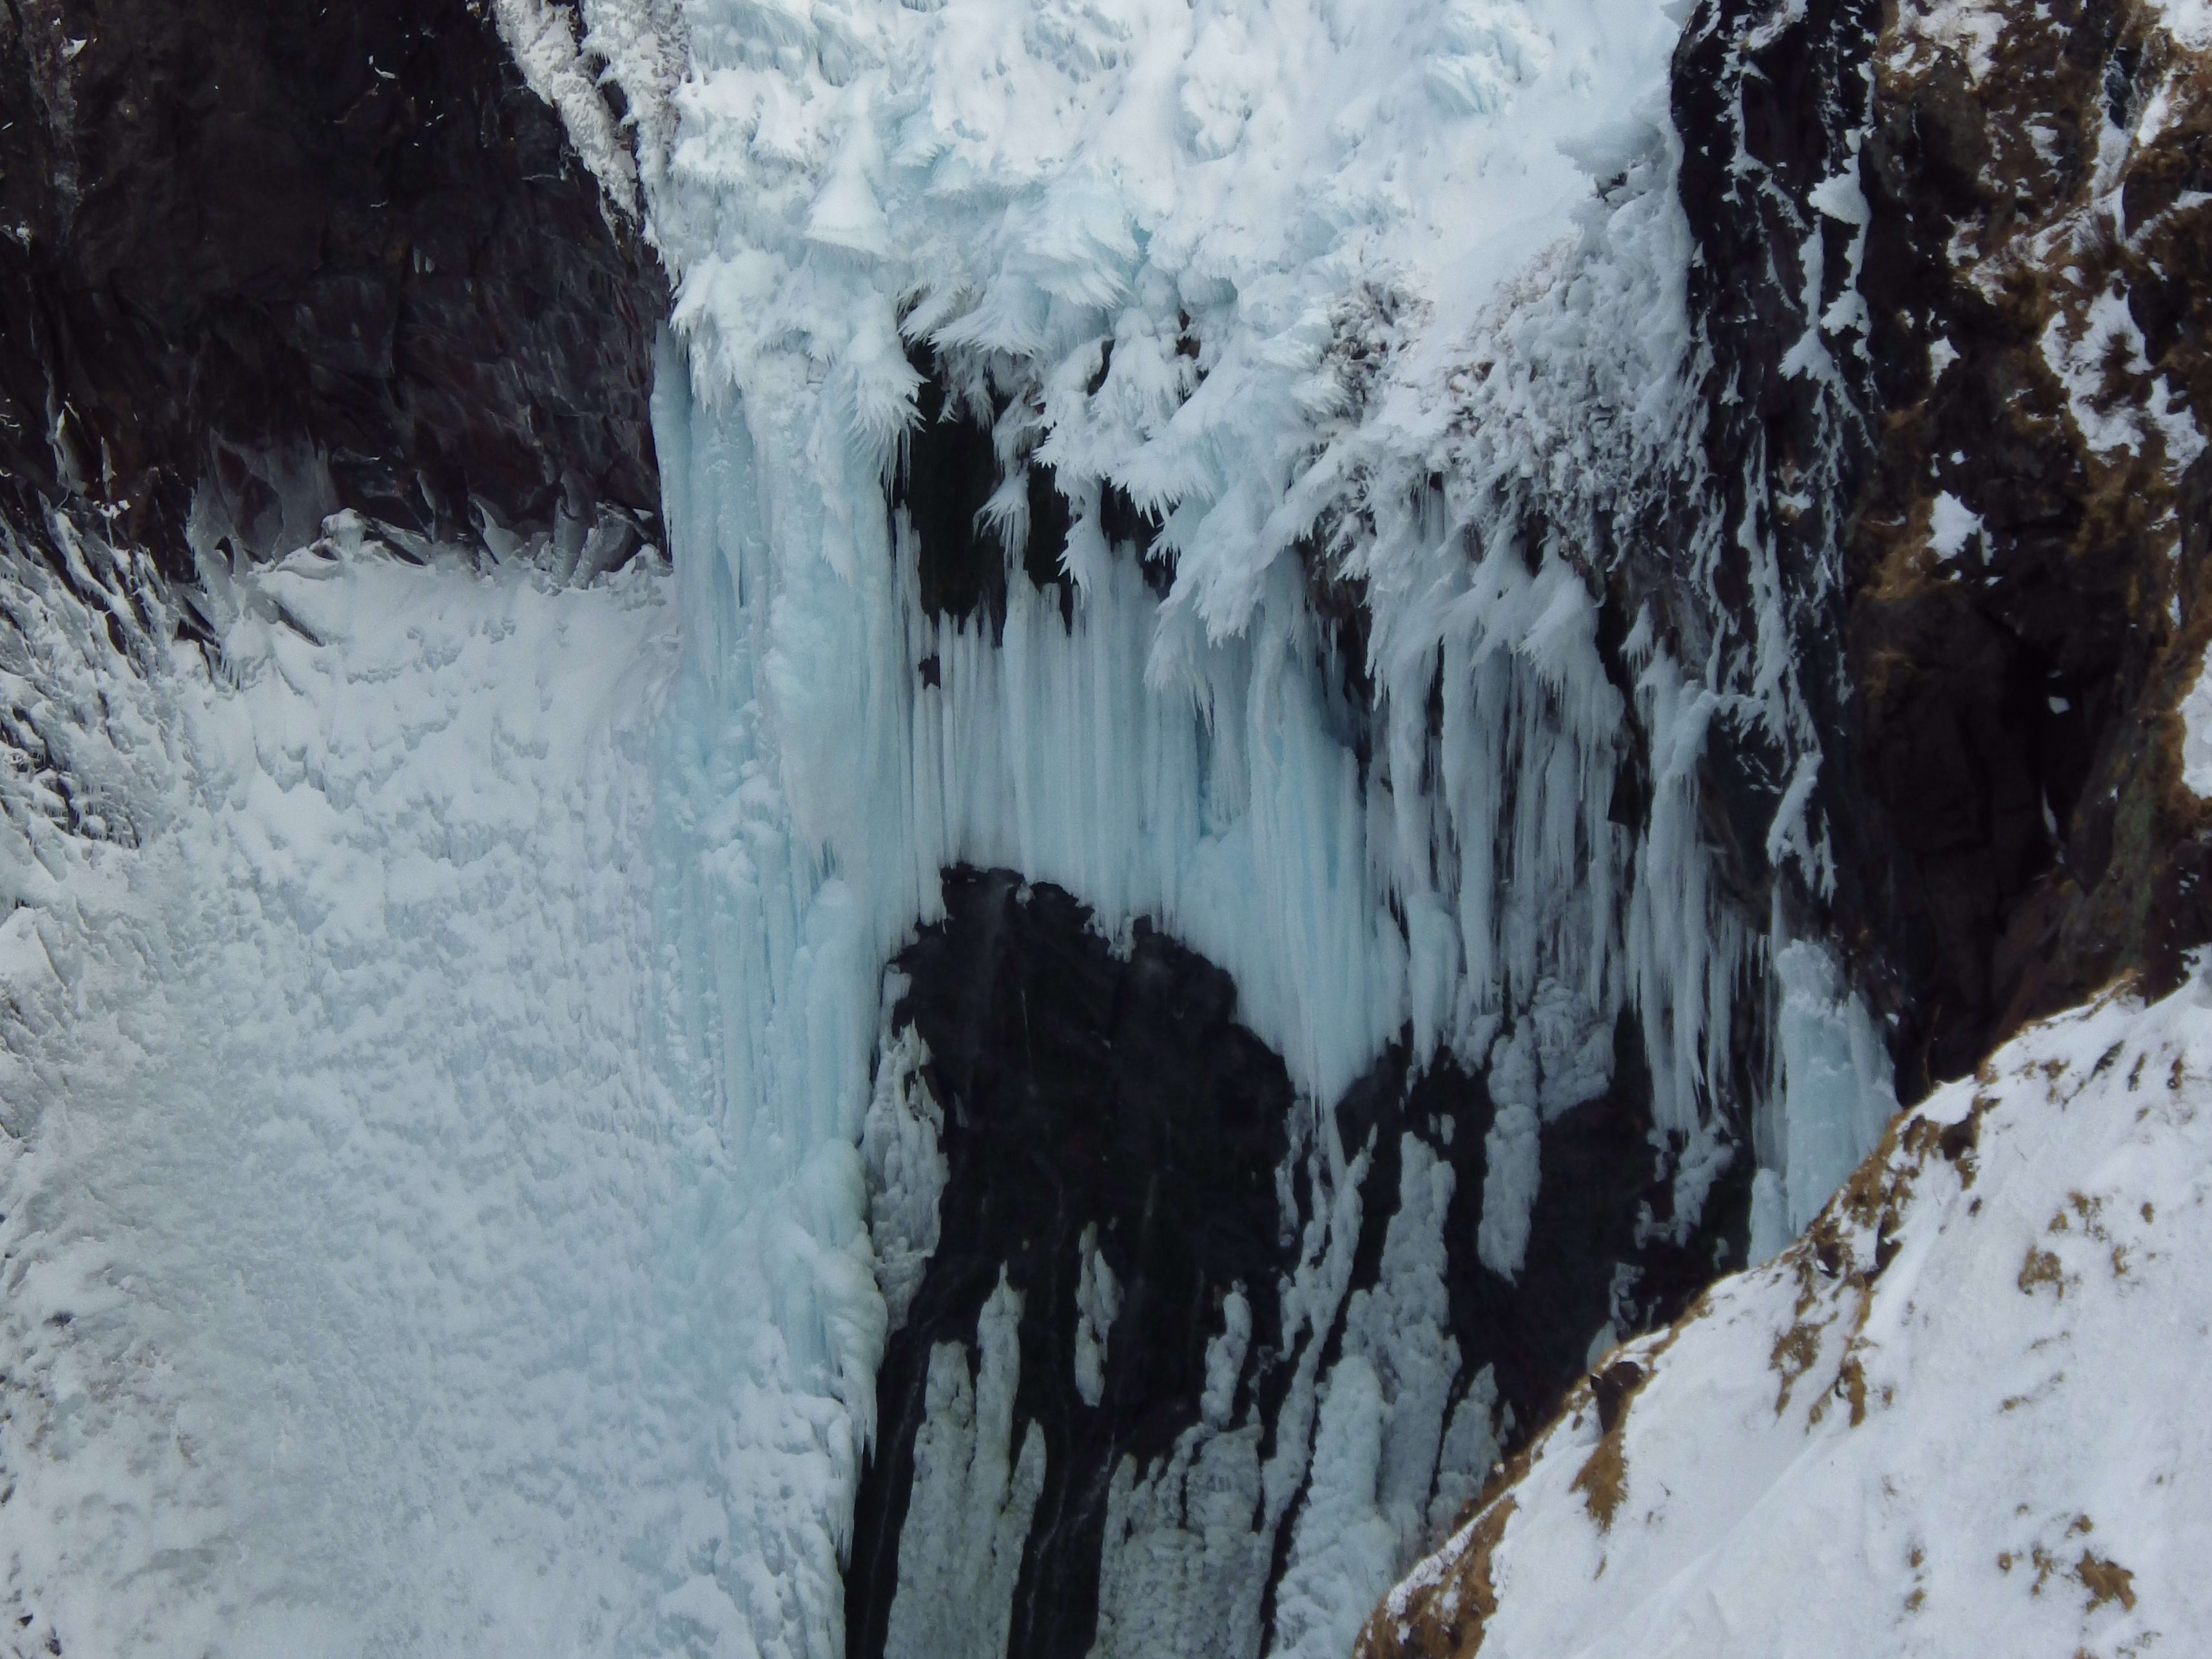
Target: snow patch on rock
(542,39)
(2196,733)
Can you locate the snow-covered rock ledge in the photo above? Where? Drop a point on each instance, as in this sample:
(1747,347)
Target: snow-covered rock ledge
(1958,1416)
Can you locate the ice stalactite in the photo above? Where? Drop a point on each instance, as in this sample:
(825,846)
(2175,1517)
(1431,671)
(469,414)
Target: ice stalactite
(902,1144)
(966,1470)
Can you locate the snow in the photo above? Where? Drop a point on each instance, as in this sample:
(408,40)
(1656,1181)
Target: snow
(1399,1329)
(2190,21)
(1224,1359)
(1099,1302)
(1960,1416)
(361,1273)
(1952,525)
(543,39)
(2080,352)
(1970,28)
(2196,733)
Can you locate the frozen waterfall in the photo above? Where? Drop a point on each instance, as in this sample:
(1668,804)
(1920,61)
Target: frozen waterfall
(1167,253)
(470,1153)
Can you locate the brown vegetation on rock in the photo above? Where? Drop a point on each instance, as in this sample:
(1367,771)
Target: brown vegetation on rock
(2036,271)
(1445,1619)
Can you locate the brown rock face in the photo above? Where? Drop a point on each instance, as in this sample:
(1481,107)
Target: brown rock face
(315,256)
(1448,1600)
(2025,566)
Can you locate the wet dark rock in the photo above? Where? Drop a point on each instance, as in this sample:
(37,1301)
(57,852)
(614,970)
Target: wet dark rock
(1080,1089)
(1611,1389)
(948,469)
(1084,1089)
(314,257)
(1769,101)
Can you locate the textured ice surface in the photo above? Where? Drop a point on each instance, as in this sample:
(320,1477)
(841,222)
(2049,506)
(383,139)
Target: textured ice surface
(901,1146)
(1311,282)
(1382,1425)
(1098,1300)
(362,1275)
(965,1467)
(1836,1071)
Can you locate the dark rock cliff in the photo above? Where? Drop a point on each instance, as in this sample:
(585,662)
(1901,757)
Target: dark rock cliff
(1995,584)
(2027,558)
(300,258)
(1088,1090)
(1955,313)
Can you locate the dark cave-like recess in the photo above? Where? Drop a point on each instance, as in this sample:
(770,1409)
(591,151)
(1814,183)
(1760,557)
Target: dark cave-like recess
(948,469)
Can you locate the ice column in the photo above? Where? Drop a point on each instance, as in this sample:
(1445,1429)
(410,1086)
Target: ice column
(781,761)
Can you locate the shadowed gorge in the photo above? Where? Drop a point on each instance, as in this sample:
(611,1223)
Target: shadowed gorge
(1099,1099)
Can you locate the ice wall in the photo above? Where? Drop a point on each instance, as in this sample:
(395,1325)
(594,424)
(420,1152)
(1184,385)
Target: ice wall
(1383,301)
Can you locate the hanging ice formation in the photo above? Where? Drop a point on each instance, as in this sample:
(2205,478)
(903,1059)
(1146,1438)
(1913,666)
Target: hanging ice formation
(1338,357)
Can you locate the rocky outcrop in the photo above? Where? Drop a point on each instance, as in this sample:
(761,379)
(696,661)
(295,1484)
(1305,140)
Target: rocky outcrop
(1943,1421)
(1949,287)
(2027,558)
(283,260)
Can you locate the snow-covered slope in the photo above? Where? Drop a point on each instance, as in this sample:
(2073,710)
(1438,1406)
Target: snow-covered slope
(358,1269)
(1962,1415)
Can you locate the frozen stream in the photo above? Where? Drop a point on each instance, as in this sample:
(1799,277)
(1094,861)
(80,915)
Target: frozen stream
(434,1066)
